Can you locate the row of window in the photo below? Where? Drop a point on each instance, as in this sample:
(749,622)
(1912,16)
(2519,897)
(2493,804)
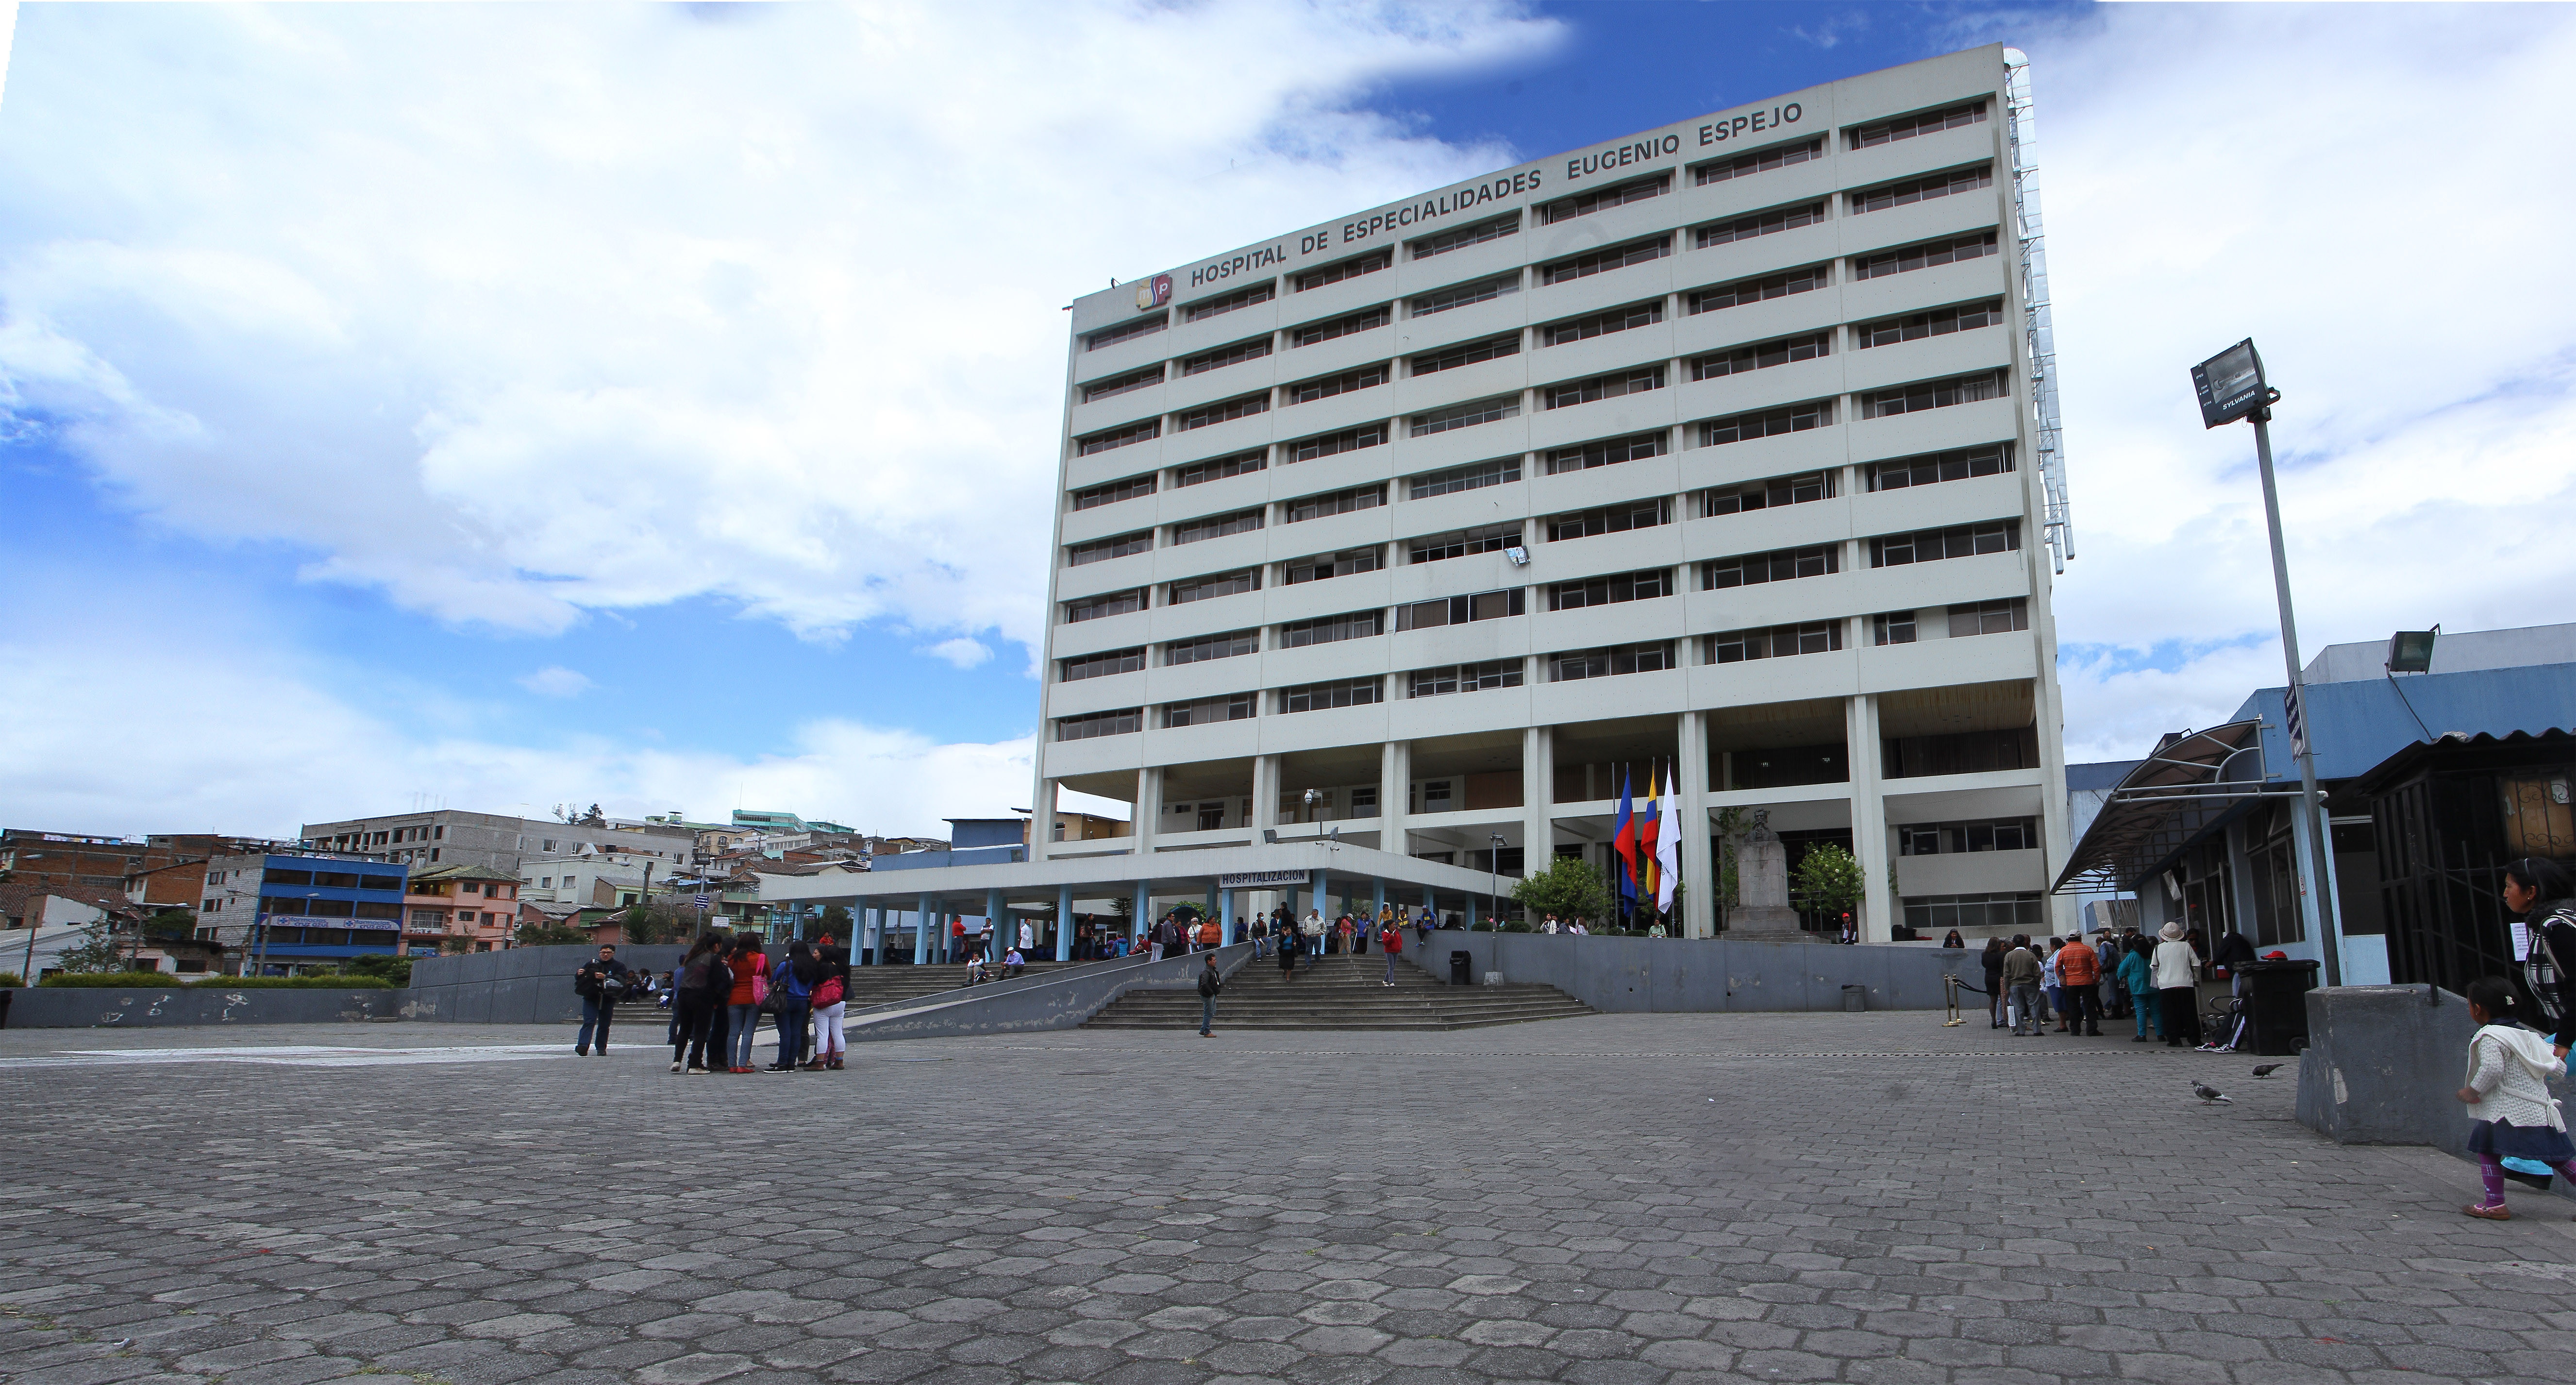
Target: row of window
(1573,665)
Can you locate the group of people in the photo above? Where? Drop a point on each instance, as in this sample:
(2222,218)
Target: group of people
(2076,983)
(717,996)
(1347,936)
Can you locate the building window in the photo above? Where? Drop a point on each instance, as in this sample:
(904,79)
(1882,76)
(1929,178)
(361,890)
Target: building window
(1767,423)
(1458,678)
(1961,752)
(1940,322)
(1128,436)
(1218,469)
(1206,647)
(1465,236)
(1342,564)
(1895,627)
(1082,728)
(1211,587)
(1779,565)
(1610,661)
(1102,550)
(1230,707)
(1464,295)
(1123,384)
(1770,223)
(1326,445)
(1610,591)
(1939,913)
(1602,199)
(1316,697)
(1126,331)
(1908,126)
(1459,543)
(1461,610)
(1207,308)
(1467,353)
(1602,261)
(1602,324)
(1956,838)
(1775,642)
(1336,503)
(1600,387)
(1093,497)
(1928,255)
(1325,387)
(1935,467)
(1367,319)
(1466,415)
(1765,495)
(1759,161)
(1451,480)
(1931,394)
(1100,665)
(1223,411)
(1990,617)
(1351,625)
(1923,189)
(1806,346)
(1957,541)
(1224,356)
(1106,604)
(1370,263)
(1607,452)
(1610,519)
(1218,526)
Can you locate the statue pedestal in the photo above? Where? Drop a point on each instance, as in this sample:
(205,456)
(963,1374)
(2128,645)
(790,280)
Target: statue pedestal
(1762,881)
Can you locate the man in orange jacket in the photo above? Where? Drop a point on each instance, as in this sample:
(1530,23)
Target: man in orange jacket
(2079,972)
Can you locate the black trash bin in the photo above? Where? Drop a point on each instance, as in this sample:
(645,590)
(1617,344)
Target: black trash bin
(1459,964)
(2276,1005)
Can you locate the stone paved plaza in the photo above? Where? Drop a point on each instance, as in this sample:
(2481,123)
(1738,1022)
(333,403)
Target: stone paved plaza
(1609,1199)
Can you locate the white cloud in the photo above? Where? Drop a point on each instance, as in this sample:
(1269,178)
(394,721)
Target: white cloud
(556,681)
(516,313)
(963,652)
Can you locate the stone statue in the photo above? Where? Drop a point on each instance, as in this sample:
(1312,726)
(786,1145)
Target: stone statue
(1762,882)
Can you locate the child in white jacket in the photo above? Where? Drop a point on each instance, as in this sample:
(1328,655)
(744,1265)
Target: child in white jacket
(2508,1096)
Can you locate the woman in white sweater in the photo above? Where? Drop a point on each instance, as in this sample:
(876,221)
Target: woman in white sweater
(2507,1096)
(2173,965)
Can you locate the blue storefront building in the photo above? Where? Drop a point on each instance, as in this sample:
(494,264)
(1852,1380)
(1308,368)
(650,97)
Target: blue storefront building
(319,908)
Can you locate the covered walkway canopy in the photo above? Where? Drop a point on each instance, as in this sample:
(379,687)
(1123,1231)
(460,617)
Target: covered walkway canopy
(2191,783)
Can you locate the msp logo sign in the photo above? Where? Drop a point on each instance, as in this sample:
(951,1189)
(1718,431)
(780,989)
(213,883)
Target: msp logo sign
(1153,293)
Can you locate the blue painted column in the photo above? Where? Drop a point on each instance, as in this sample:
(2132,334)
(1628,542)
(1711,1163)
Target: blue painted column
(997,917)
(921,933)
(1225,918)
(1323,888)
(1064,923)
(1143,918)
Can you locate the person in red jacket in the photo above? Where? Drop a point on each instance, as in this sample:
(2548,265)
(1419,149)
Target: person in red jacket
(2079,971)
(1390,940)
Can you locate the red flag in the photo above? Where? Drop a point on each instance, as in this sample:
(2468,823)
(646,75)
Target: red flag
(1624,841)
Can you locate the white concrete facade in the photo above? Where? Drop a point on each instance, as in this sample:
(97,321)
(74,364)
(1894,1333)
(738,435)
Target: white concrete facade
(1877,399)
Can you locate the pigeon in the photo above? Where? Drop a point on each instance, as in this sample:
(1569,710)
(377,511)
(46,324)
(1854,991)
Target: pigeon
(2267,1069)
(2208,1093)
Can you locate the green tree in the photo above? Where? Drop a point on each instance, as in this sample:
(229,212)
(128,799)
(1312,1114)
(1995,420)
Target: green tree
(170,925)
(98,950)
(1828,879)
(385,967)
(656,921)
(549,934)
(1569,888)
(836,921)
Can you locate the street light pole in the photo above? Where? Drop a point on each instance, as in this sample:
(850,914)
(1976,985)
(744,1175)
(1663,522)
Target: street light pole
(2311,818)
(1494,881)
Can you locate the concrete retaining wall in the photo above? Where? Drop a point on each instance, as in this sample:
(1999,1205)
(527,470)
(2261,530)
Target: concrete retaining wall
(1031,1004)
(84,1007)
(1699,975)
(519,985)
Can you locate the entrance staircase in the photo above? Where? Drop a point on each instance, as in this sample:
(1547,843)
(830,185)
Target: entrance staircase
(1340,993)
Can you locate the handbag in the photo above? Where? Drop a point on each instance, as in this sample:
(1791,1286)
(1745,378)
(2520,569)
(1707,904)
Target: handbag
(759,986)
(829,993)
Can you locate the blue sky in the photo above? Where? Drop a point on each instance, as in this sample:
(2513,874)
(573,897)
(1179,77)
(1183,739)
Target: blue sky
(521,404)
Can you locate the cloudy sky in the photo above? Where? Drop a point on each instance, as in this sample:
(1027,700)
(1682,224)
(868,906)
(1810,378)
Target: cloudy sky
(507,405)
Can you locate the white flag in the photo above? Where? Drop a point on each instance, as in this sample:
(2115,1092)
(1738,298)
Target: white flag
(1668,845)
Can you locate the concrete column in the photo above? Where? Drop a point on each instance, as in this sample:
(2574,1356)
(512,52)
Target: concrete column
(997,916)
(1879,907)
(1394,786)
(921,931)
(1538,798)
(1265,794)
(1149,808)
(1144,915)
(1699,863)
(1064,923)
(1323,889)
(1226,925)
(1042,821)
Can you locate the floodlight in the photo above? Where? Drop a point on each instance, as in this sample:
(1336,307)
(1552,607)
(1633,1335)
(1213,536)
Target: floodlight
(2411,651)
(2230,384)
